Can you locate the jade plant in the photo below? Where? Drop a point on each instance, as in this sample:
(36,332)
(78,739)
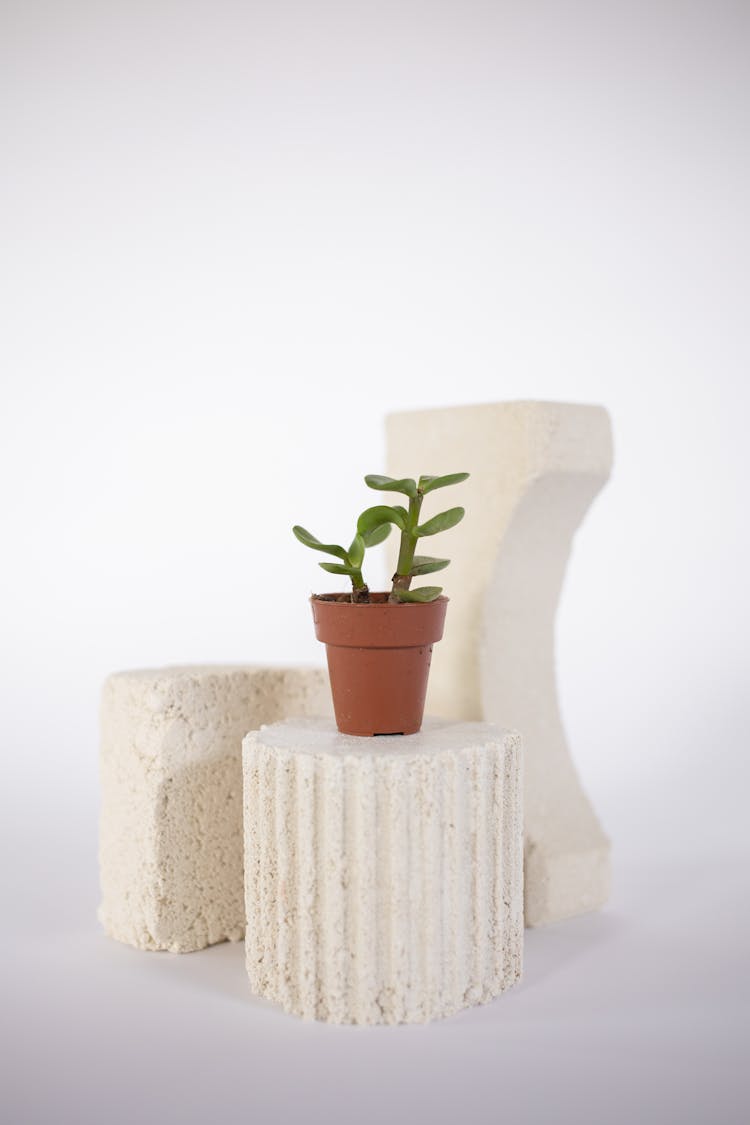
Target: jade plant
(351,559)
(374,525)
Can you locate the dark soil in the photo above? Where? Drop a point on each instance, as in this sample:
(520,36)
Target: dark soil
(378,596)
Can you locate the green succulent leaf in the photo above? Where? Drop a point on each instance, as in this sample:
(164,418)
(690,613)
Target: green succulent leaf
(441,522)
(388,484)
(357,551)
(377,535)
(421,594)
(423,564)
(337,568)
(309,540)
(429,484)
(372,518)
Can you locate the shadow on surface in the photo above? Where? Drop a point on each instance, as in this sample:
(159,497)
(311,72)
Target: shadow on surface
(218,968)
(549,949)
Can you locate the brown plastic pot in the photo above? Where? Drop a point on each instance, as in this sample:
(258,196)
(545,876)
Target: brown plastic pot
(378,660)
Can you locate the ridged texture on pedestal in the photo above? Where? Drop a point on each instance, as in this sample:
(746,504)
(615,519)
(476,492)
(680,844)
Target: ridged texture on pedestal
(383,877)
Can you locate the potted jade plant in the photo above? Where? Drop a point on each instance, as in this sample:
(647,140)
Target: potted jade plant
(379,645)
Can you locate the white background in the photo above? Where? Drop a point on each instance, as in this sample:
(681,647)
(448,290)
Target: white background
(234,236)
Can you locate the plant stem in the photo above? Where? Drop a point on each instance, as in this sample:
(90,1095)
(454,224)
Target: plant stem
(407,548)
(360,589)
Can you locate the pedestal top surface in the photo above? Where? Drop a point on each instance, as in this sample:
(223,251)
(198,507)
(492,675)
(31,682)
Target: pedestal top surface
(199,671)
(320,736)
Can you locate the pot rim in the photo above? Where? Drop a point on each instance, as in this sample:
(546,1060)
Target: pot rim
(332,599)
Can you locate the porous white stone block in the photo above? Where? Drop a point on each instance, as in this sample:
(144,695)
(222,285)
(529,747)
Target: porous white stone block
(383,876)
(535,470)
(171,849)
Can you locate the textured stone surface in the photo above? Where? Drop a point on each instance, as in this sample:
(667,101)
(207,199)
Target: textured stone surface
(536,467)
(171,788)
(383,876)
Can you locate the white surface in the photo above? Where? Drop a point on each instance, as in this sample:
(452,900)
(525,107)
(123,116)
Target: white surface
(222,220)
(638,1014)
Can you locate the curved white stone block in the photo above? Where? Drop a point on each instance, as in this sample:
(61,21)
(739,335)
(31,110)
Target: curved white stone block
(383,876)
(536,467)
(171,796)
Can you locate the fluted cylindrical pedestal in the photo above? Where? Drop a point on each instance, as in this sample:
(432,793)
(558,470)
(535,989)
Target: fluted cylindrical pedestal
(383,876)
